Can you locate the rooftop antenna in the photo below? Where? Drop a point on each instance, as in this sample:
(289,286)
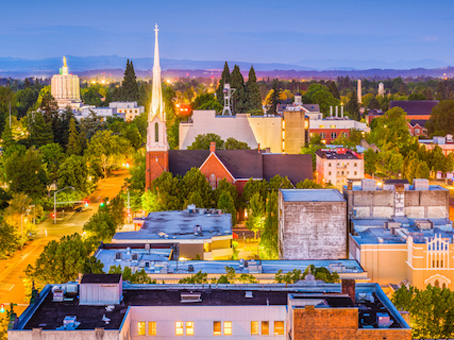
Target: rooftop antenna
(227,95)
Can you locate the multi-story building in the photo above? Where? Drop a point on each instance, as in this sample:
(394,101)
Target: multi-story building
(202,233)
(402,233)
(129,110)
(312,224)
(160,263)
(65,88)
(102,307)
(338,166)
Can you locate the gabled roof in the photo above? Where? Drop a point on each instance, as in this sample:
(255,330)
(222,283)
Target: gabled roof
(420,122)
(245,164)
(414,107)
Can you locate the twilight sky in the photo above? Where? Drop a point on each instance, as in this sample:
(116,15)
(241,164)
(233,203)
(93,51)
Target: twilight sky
(242,30)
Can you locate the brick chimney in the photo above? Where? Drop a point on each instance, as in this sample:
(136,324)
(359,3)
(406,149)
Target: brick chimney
(213,147)
(258,147)
(348,287)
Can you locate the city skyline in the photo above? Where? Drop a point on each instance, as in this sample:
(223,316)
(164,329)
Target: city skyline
(256,32)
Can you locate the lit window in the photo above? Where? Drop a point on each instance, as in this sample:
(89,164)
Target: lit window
(333,126)
(141,328)
(322,126)
(254,328)
(152,328)
(265,328)
(189,327)
(278,327)
(227,327)
(179,328)
(216,327)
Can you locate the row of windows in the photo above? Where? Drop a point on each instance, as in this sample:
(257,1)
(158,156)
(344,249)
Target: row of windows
(333,135)
(342,164)
(187,328)
(338,173)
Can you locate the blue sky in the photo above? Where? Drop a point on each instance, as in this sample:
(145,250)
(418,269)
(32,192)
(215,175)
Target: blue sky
(256,31)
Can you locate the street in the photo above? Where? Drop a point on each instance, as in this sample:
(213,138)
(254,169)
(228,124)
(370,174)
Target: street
(12,270)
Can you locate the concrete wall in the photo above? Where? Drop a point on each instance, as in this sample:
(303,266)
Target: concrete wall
(203,317)
(294,132)
(312,230)
(382,204)
(267,132)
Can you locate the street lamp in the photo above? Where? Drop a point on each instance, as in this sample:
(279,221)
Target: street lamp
(55,201)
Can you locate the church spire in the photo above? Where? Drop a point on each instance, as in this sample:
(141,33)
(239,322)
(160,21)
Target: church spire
(157,105)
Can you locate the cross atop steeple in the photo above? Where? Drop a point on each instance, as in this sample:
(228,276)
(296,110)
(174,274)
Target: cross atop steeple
(157,105)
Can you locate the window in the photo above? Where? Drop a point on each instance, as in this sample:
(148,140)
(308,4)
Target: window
(265,328)
(141,328)
(354,165)
(332,126)
(322,135)
(329,164)
(216,327)
(329,173)
(152,328)
(417,131)
(356,173)
(254,328)
(345,134)
(333,135)
(278,327)
(189,327)
(179,328)
(213,181)
(156,132)
(227,327)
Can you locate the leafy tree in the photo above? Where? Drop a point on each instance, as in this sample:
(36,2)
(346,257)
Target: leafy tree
(373,104)
(277,182)
(431,310)
(90,126)
(25,173)
(150,202)
(139,277)
(253,97)
(9,241)
(26,100)
(390,163)
(371,160)
(195,181)
(223,186)
(167,191)
(136,181)
(256,214)
(319,94)
(61,261)
(129,86)
(333,89)
(233,144)
(206,101)
(227,204)
(321,273)
(195,199)
(203,142)
(308,184)
(417,96)
(269,240)
(101,226)
(53,156)
(225,79)
(199,278)
(442,118)
(422,171)
(92,265)
(74,146)
(74,172)
(391,130)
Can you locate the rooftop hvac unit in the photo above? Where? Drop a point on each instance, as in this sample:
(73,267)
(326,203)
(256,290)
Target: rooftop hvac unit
(191,297)
(58,295)
(248,294)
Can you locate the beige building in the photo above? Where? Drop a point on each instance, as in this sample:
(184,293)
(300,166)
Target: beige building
(402,233)
(338,166)
(65,88)
(130,110)
(282,134)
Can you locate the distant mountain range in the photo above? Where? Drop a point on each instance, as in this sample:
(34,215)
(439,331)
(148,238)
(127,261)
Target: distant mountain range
(113,66)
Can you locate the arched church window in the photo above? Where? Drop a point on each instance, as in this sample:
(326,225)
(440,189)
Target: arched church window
(156,132)
(213,181)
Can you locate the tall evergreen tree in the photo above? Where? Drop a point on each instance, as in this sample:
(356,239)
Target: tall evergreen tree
(352,106)
(274,100)
(225,79)
(129,86)
(254,99)
(40,131)
(227,204)
(74,146)
(333,89)
(239,96)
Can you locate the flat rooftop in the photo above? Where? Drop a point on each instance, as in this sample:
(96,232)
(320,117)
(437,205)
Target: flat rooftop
(336,154)
(49,315)
(312,195)
(180,225)
(373,231)
(408,187)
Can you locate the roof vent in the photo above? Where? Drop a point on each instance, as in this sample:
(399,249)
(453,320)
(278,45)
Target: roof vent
(191,268)
(58,294)
(191,297)
(191,208)
(248,294)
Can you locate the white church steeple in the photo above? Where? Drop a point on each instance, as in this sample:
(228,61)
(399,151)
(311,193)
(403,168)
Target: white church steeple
(157,105)
(157,131)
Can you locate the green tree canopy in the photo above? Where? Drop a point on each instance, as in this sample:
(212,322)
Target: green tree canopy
(253,97)
(442,118)
(129,86)
(227,204)
(203,142)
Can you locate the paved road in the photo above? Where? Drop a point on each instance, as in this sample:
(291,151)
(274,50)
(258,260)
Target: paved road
(12,270)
